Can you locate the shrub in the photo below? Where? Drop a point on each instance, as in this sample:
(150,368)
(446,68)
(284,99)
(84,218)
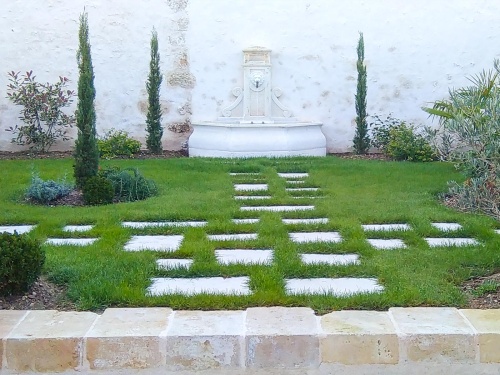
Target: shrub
(44,120)
(129,185)
(400,141)
(153,84)
(117,143)
(21,262)
(98,190)
(86,151)
(44,192)
(361,141)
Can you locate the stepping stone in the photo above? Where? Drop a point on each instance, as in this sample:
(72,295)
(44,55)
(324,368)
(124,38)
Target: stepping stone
(315,237)
(331,259)
(295,182)
(447,227)
(385,227)
(305,221)
(341,287)
(233,237)
(244,173)
(70,241)
(434,242)
(278,208)
(20,229)
(293,175)
(246,221)
(250,187)
(189,287)
(387,244)
(169,264)
(250,197)
(153,224)
(77,228)
(235,256)
(154,243)
(497,231)
(301,189)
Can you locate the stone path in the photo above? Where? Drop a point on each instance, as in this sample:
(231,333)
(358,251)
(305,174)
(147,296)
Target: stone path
(339,287)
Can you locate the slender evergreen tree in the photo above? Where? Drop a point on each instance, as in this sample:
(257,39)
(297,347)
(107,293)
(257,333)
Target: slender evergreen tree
(361,138)
(86,149)
(153,119)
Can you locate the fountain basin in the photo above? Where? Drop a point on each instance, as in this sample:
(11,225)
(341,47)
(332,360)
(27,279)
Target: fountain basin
(244,140)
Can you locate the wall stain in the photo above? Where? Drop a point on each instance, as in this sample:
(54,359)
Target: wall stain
(180,127)
(177,5)
(324,94)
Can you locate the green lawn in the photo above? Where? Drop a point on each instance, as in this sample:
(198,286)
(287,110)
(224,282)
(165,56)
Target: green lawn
(353,192)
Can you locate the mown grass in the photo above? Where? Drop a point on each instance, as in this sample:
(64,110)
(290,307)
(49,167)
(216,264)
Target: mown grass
(353,192)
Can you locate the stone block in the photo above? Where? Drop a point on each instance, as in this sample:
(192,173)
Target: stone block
(128,338)
(280,337)
(8,321)
(358,338)
(487,324)
(435,334)
(203,340)
(47,341)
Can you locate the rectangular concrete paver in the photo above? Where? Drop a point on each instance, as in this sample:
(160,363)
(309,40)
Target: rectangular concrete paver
(128,338)
(70,241)
(9,319)
(48,341)
(293,175)
(280,337)
(19,229)
(331,259)
(243,256)
(191,286)
(154,243)
(487,324)
(447,227)
(156,224)
(245,221)
(436,242)
(389,244)
(168,264)
(77,228)
(250,187)
(305,221)
(304,237)
(358,338)
(278,208)
(339,287)
(205,340)
(385,227)
(439,335)
(233,237)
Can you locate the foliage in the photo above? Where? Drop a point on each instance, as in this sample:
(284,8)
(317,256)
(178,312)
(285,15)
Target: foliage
(361,138)
(117,143)
(471,115)
(86,150)
(44,192)
(98,190)
(129,185)
(153,119)
(21,262)
(400,141)
(44,120)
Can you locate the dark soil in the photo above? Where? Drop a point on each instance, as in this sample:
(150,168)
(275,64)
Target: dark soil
(45,295)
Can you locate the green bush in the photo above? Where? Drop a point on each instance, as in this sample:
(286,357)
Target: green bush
(44,192)
(117,143)
(98,190)
(129,185)
(21,261)
(400,141)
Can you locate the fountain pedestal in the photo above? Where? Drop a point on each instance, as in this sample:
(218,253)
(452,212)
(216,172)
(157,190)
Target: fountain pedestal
(257,123)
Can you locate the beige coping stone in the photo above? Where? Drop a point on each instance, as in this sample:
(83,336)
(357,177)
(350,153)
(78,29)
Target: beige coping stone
(358,338)
(434,334)
(280,337)
(9,319)
(203,340)
(128,338)
(487,324)
(48,341)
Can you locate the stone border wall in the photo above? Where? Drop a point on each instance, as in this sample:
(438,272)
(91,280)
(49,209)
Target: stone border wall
(274,340)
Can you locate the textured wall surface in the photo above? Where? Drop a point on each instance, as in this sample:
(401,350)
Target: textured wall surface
(414,50)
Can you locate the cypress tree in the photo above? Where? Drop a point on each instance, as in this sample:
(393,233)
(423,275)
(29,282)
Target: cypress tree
(153,119)
(86,149)
(361,139)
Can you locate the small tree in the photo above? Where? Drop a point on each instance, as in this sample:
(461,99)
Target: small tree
(86,150)
(44,120)
(361,139)
(153,119)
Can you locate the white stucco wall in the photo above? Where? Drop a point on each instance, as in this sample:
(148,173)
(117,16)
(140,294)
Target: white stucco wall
(414,50)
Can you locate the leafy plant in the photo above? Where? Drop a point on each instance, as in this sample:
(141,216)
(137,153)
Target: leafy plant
(153,120)
(42,114)
(21,262)
(361,138)
(46,191)
(489,286)
(117,143)
(129,185)
(98,190)
(86,150)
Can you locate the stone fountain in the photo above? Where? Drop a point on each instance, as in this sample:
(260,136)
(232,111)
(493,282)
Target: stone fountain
(257,123)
